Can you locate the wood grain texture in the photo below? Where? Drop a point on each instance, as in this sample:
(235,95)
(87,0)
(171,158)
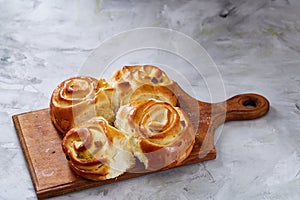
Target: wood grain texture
(49,169)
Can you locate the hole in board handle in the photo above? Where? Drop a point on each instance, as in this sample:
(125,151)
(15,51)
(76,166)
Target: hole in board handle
(250,103)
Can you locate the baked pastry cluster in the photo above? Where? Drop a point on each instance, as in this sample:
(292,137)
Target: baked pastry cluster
(110,126)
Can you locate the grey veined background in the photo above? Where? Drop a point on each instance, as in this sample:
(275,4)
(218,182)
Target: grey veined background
(255,45)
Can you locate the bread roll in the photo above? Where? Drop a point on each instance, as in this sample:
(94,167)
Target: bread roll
(79,99)
(162,135)
(141,82)
(98,151)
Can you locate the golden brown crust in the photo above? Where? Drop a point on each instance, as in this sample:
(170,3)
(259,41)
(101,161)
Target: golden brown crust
(161,93)
(140,75)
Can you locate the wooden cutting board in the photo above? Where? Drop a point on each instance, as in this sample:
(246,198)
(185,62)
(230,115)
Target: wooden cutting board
(49,169)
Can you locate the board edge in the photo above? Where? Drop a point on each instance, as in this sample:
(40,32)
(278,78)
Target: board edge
(23,145)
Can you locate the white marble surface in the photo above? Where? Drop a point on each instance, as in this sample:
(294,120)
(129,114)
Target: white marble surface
(255,44)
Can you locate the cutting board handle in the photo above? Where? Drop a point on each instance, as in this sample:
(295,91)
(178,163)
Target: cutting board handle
(246,107)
